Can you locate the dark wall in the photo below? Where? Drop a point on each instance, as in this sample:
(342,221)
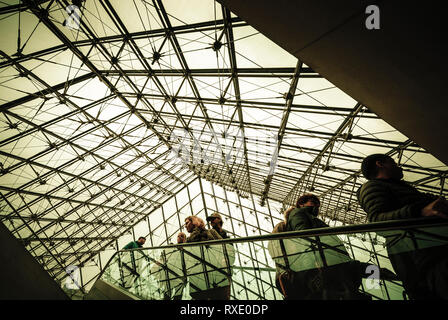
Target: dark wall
(21,276)
(399,71)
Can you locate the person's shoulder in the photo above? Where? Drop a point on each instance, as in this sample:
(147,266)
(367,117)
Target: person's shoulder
(298,211)
(214,233)
(374,184)
(130,245)
(226,233)
(194,235)
(320,223)
(195,230)
(298,214)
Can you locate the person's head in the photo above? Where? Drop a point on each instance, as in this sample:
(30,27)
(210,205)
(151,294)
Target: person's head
(141,240)
(193,221)
(215,220)
(280,227)
(181,237)
(380,166)
(311,201)
(308,200)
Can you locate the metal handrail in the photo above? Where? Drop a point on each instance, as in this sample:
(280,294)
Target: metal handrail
(349,229)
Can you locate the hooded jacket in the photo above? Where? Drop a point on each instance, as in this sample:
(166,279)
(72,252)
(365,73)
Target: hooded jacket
(304,218)
(323,251)
(309,267)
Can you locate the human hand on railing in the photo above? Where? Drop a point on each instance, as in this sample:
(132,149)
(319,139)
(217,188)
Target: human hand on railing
(438,208)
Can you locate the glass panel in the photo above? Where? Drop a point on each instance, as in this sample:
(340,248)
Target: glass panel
(328,264)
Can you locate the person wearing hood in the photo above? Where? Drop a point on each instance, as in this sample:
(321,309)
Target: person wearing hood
(338,279)
(304,215)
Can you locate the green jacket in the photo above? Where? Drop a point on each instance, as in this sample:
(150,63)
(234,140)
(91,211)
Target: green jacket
(412,253)
(203,235)
(328,250)
(132,245)
(304,218)
(392,200)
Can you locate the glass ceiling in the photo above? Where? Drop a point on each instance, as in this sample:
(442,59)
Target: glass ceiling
(151,111)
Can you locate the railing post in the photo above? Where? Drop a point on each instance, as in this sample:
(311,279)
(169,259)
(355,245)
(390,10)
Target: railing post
(285,256)
(229,270)
(133,261)
(204,267)
(226,257)
(184,267)
(166,273)
(378,264)
(120,267)
(134,267)
(321,252)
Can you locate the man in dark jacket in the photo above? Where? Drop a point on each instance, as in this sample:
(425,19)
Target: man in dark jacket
(420,263)
(216,223)
(304,216)
(135,244)
(341,279)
